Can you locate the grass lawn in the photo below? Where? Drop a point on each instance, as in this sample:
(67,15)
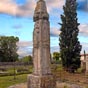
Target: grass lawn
(60,74)
(7,81)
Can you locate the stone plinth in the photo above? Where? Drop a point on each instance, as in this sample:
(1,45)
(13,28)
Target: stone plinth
(45,81)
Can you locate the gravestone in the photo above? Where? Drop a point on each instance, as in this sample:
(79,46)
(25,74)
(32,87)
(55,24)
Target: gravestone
(84,62)
(41,76)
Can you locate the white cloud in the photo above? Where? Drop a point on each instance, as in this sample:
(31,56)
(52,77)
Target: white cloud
(25,48)
(83,29)
(26,9)
(12,8)
(6,6)
(54,4)
(24,52)
(54,32)
(24,43)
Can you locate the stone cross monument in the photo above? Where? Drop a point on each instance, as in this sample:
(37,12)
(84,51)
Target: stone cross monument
(42,76)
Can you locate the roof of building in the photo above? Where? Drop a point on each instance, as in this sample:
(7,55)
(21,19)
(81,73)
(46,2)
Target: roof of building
(83,54)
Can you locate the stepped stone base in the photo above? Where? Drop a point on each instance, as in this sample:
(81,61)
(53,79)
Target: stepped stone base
(46,81)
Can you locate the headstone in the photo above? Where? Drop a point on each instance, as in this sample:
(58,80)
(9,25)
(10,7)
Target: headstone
(84,62)
(42,76)
(87,65)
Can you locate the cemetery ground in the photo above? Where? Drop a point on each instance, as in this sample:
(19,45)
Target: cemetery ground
(7,81)
(11,76)
(7,77)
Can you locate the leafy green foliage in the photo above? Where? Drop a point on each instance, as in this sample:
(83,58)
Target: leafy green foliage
(8,48)
(56,58)
(69,45)
(26,59)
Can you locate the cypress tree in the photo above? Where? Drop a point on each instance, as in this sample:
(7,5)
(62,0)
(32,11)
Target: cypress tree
(69,44)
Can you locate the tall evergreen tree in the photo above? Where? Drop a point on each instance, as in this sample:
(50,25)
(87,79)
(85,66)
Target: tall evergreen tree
(69,45)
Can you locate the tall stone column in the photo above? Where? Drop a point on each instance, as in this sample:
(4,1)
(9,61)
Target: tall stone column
(42,76)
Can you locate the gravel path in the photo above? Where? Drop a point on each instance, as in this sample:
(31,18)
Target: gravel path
(59,85)
(22,85)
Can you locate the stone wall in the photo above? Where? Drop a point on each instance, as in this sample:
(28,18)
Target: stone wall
(13,63)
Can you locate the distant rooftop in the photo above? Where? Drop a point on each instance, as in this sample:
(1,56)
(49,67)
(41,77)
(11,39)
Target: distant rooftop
(83,54)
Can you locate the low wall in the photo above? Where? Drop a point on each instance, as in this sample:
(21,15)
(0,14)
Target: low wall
(13,63)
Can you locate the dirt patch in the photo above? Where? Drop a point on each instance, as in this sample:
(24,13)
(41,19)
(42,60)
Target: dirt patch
(79,79)
(22,85)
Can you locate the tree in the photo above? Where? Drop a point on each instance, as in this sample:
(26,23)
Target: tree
(69,45)
(56,56)
(26,59)
(84,55)
(8,48)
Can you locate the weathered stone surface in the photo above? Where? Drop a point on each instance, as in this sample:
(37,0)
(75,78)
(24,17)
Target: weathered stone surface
(41,48)
(41,77)
(87,66)
(84,62)
(45,81)
(40,11)
(41,40)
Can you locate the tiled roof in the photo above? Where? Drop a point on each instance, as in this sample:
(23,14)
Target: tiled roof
(83,54)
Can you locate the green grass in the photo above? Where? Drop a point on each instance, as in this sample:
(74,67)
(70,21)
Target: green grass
(7,81)
(10,71)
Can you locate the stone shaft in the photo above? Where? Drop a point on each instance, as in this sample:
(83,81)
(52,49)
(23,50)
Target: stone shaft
(41,40)
(42,76)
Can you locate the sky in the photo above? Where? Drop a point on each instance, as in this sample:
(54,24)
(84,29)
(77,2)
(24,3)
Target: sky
(16,19)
